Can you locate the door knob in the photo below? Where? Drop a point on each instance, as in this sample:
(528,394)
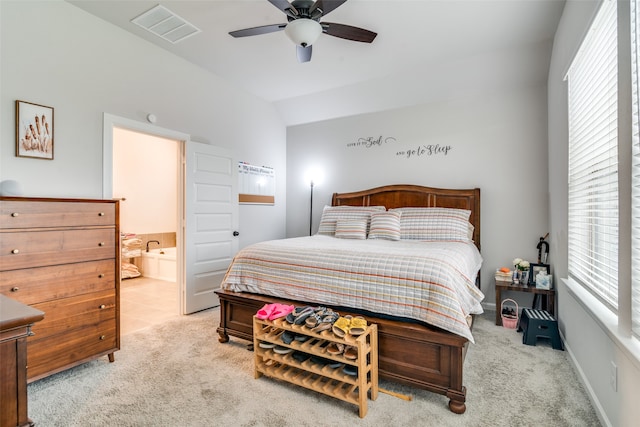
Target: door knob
(235,233)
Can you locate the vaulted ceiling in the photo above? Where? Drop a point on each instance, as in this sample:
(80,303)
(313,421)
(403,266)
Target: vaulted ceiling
(425,49)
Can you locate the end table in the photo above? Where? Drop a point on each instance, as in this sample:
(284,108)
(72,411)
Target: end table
(548,303)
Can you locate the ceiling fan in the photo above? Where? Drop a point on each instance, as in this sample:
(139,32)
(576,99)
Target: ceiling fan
(304,26)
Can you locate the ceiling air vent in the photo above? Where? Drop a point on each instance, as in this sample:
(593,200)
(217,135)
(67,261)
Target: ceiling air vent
(166,24)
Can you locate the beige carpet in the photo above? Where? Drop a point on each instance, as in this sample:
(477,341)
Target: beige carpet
(178,374)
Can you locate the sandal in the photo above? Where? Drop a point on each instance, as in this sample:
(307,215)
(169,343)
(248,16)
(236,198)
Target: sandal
(315,319)
(358,326)
(266,344)
(341,326)
(335,348)
(326,322)
(280,310)
(301,338)
(350,352)
(300,356)
(335,365)
(265,311)
(291,317)
(282,350)
(299,315)
(304,314)
(350,370)
(287,337)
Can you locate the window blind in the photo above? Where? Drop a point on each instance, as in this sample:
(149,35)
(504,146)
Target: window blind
(593,162)
(635,172)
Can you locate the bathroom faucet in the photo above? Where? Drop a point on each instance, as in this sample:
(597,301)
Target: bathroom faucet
(151,241)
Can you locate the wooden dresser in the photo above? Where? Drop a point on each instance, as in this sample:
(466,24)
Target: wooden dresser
(62,257)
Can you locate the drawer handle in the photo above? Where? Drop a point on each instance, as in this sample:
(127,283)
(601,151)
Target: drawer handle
(102,307)
(101,244)
(102,337)
(14,214)
(100,276)
(15,251)
(101,214)
(15,289)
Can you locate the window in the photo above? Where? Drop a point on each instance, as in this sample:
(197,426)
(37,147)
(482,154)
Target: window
(635,173)
(593,160)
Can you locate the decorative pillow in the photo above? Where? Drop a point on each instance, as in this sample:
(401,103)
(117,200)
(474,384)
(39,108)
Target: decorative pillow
(351,229)
(385,225)
(470,230)
(331,214)
(434,223)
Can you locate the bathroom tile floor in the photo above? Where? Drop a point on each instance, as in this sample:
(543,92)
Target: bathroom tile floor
(145,302)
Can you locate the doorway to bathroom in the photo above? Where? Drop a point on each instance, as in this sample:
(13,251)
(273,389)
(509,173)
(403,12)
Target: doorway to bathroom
(207,209)
(146,174)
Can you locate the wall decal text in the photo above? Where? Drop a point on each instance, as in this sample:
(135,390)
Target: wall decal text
(371,141)
(425,150)
(419,151)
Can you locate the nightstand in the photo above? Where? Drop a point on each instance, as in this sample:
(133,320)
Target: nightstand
(548,302)
(16,320)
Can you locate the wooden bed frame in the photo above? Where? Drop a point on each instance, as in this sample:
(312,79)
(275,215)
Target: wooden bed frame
(410,353)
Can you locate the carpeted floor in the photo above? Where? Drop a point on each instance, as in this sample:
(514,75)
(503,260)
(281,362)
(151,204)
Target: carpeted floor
(178,374)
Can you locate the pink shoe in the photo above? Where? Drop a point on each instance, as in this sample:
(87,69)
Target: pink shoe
(266,311)
(281,310)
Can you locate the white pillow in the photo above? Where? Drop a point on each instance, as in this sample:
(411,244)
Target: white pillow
(385,225)
(331,214)
(434,224)
(351,229)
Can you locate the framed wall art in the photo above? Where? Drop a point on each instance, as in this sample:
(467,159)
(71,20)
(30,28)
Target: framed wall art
(535,270)
(34,130)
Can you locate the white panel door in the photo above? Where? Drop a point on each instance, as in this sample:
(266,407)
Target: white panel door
(211,220)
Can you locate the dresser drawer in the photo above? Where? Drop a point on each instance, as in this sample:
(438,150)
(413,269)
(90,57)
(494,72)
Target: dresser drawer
(36,285)
(74,314)
(43,248)
(61,351)
(36,214)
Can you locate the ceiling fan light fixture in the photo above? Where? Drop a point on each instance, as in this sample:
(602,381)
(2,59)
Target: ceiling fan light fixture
(303,31)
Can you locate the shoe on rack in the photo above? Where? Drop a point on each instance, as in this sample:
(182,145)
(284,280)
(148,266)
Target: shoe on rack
(265,311)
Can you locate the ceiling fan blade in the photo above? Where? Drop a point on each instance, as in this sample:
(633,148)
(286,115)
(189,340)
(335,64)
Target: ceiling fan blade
(285,7)
(303,53)
(256,31)
(326,6)
(348,32)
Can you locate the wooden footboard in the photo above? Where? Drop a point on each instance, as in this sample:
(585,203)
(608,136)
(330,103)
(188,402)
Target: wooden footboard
(409,353)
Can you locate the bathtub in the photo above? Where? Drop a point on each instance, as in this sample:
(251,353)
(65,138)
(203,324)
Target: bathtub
(160,264)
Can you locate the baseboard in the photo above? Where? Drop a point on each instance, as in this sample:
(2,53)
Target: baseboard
(488,306)
(602,416)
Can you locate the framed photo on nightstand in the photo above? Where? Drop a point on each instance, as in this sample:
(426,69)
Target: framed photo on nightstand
(535,270)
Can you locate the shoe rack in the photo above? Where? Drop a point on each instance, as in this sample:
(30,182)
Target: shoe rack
(319,377)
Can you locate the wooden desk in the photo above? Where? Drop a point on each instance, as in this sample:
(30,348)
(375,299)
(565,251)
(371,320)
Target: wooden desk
(15,326)
(548,303)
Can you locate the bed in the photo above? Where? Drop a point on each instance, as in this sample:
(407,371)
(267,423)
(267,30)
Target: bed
(411,349)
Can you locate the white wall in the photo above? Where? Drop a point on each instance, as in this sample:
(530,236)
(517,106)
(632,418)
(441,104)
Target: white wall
(498,143)
(83,67)
(590,340)
(145,175)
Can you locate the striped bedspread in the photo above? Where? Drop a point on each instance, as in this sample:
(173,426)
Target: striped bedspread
(433,282)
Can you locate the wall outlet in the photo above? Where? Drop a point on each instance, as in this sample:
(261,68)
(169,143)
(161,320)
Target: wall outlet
(613,376)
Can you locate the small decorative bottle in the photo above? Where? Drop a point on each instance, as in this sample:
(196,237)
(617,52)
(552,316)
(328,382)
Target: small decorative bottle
(516,277)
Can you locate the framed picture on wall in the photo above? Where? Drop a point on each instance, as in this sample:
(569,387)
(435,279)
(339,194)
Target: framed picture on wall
(34,130)
(535,270)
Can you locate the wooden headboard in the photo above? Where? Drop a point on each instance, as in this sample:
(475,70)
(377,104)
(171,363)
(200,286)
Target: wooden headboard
(399,196)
